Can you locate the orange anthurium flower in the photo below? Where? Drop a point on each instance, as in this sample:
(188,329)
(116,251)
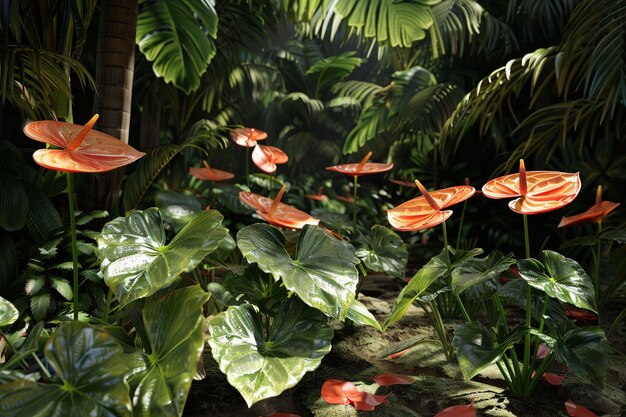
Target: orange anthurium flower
(319,196)
(82,148)
(404,183)
(426,210)
(267,157)
(275,212)
(247,136)
(537,191)
(576,410)
(361,168)
(210,174)
(458,411)
(595,214)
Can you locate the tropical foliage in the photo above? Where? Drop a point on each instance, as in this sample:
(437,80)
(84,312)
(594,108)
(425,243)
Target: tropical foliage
(110,312)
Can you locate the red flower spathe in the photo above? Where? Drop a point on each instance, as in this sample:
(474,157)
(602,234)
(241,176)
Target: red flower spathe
(82,148)
(536,191)
(425,211)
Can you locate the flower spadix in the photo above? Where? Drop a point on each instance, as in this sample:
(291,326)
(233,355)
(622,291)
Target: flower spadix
(83,149)
(535,192)
(210,174)
(426,210)
(595,214)
(247,136)
(361,168)
(275,212)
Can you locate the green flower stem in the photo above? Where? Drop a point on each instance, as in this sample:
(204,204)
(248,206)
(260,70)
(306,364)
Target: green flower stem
(527,338)
(70,195)
(458,299)
(354,196)
(458,237)
(107,305)
(435,319)
(596,272)
(540,371)
(248,167)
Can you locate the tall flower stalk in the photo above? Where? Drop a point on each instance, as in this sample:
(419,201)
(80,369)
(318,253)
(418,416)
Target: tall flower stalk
(82,150)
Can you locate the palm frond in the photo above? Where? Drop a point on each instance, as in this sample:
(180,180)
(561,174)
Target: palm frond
(362,91)
(177,36)
(33,79)
(545,18)
(330,70)
(148,169)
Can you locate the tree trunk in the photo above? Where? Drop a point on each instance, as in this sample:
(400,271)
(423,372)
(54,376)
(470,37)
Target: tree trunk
(115,63)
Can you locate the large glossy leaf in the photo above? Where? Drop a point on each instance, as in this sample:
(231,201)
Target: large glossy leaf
(8,313)
(178,37)
(90,370)
(136,261)
(256,287)
(171,326)
(262,365)
(322,272)
(476,347)
(474,271)
(398,24)
(559,277)
(359,314)
(176,207)
(584,350)
(382,250)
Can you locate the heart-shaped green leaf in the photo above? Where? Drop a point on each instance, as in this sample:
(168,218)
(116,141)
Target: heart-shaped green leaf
(136,262)
(8,313)
(262,365)
(473,271)
(476,347)
(256,287)
(323,273)
(90,366)
(178,37)
(559,277)
(176,207)
(382,251)
(171,328)
(584,350)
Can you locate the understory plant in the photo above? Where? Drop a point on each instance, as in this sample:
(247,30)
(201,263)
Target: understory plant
(540,288)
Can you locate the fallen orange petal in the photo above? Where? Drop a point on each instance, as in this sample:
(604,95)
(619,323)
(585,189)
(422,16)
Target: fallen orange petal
(553,379)
(575,410)
(458,411)
(580,315)
(396,355)
(387,379)
(333,391)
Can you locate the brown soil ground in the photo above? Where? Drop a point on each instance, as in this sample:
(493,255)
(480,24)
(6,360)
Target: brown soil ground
(359,353)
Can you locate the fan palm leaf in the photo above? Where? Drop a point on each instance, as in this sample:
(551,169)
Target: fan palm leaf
(177,36)
(578,86)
